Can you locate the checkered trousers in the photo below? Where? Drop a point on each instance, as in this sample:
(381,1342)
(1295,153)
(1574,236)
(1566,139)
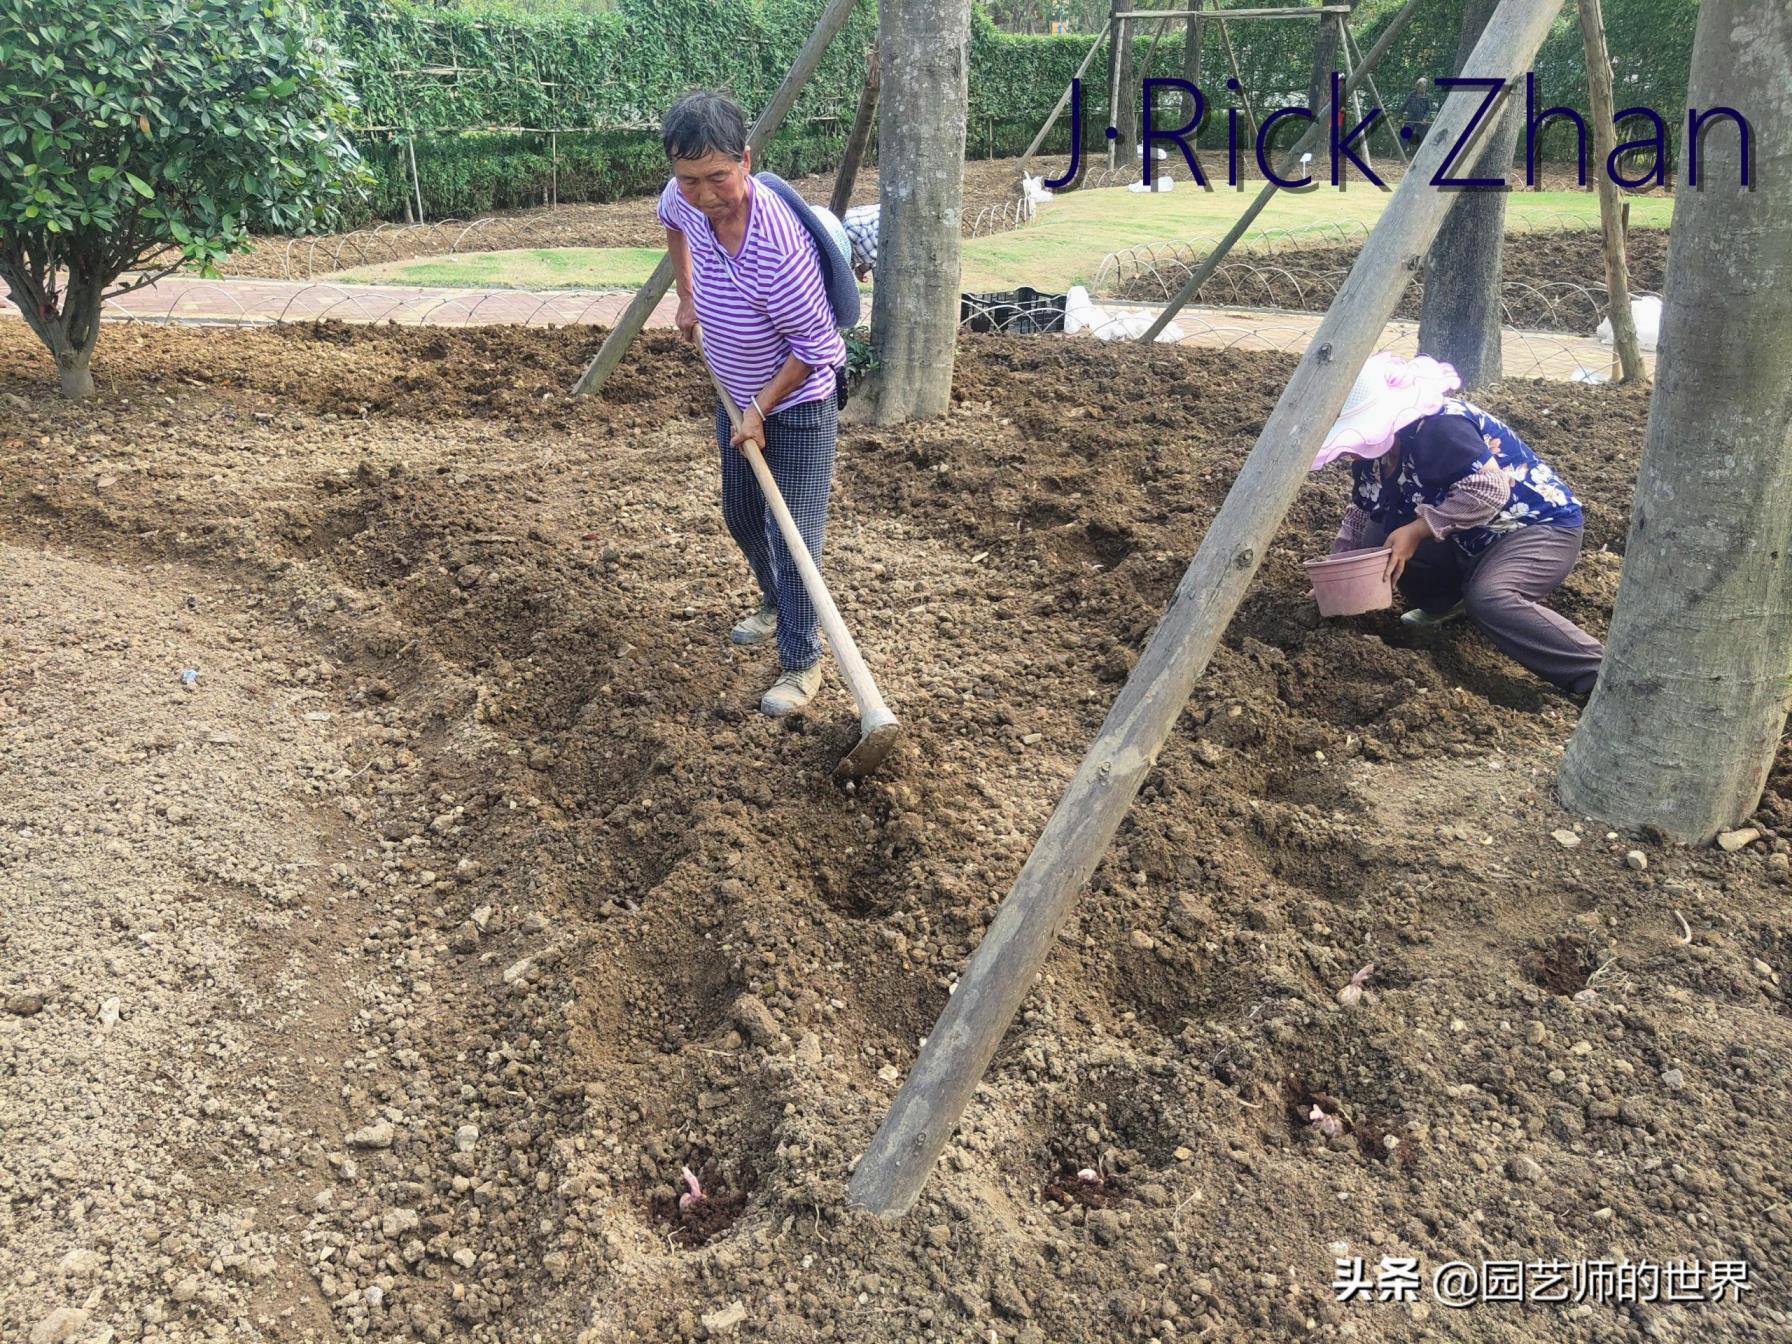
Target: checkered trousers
(799,449)
(860,223)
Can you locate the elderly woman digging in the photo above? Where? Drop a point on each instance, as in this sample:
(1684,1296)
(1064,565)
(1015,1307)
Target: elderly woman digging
(1477,522)
(755,266)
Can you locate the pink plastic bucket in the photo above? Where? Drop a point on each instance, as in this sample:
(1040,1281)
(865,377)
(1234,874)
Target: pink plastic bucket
(1352,582)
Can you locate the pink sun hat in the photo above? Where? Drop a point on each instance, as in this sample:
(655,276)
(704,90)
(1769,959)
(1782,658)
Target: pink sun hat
(1388,395)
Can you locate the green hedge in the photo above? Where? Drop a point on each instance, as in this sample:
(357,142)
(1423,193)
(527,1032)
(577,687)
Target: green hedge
(467,174)
(429,79)
(1651,43)
(436,78)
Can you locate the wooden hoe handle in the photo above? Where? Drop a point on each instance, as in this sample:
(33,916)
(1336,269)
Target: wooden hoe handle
(873,712)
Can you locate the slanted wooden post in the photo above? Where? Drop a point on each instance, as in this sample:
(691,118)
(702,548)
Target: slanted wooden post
(629,325)
(1605,140)
(1244,94)
(858,139)
(1314,136)
(1006,963)
(1063,102)
(1355,54)
(1356,100)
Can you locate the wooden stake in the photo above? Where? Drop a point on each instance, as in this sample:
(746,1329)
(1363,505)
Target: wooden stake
(629,325)
(1126,110)
(1191,57)
(1007,962)
(1210,263)
(410,145)
(1063,102)
(1355,100)
(858,139)
(1625,345)
(1356,52)
(1117,36)
(1144,107)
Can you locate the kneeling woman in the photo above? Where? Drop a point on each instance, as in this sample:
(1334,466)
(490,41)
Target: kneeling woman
(1478,523)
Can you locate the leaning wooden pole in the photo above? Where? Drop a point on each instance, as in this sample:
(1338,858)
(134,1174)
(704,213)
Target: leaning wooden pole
(1611,224)
(858,139)
(1008,961)
(1244,94)
(1314,136)
(1063,102)
(629,325)
(1355,52)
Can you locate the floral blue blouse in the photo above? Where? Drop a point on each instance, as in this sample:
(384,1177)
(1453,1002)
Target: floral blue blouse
(1438,451)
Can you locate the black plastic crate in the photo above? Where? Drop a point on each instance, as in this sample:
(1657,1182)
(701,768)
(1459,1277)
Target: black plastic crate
(1023,311)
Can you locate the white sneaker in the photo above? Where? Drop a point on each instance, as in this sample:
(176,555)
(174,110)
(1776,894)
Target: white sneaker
(761,625)
(791,691)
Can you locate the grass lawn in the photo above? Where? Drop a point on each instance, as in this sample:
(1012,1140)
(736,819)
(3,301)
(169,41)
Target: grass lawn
(1063,246)
(520,268)
(1066,241)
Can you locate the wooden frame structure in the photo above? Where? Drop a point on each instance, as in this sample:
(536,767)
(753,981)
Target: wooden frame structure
(1117,32)
(1626,351)
(1308,141)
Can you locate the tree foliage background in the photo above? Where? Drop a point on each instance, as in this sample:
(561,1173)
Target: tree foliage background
(514,100)
(442,80)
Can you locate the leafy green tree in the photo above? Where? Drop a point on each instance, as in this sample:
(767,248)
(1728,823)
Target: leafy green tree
(137,136)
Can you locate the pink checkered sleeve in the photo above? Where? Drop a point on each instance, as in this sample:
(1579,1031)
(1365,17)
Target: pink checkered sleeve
(1352,530)
(1470,502)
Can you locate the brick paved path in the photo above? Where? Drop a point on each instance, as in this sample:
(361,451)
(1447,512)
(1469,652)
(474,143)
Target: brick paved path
(180,298)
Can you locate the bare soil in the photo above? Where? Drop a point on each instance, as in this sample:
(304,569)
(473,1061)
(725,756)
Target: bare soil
(1551,281)
(379,985)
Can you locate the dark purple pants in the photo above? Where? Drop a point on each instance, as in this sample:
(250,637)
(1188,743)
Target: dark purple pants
(1502,588)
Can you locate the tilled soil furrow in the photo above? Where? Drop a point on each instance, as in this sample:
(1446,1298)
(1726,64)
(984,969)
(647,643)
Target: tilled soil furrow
(596,921)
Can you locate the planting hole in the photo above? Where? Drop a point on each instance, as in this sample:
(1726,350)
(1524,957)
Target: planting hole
(1067,1187)
(1561,967)
(701,1220)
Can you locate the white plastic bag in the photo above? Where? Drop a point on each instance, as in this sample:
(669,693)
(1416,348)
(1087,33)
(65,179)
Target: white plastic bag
(1646,313)
(1082,314)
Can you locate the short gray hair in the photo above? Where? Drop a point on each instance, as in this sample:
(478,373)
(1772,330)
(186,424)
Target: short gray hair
(705,122)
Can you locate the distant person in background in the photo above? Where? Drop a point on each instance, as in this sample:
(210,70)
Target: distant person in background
(1416,112)
(860,222)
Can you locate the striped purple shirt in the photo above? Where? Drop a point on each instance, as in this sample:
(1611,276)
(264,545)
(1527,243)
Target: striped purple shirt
(762,306)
